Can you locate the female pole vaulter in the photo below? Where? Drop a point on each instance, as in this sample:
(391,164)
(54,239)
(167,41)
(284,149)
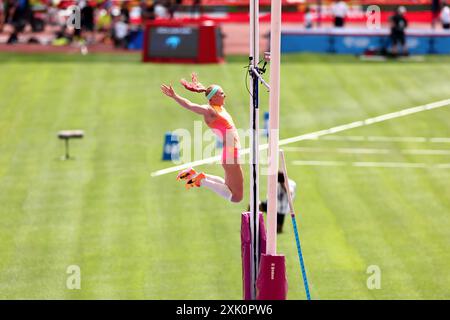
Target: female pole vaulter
(220,121)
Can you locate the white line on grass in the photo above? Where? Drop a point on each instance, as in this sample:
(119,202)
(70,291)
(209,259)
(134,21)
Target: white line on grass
(387,139)
(432,152)
(390,164)
(319,163)
(443,166)
(370,164)
(337,150)
(317,134)
(366,150)
(440,140)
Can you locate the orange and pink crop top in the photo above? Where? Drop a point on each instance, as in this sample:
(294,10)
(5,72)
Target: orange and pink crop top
(224,125)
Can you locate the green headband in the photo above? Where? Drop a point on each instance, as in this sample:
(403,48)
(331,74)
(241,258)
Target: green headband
(213,92)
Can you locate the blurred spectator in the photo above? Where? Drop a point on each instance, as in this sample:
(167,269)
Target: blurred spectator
(445,17)
(120,32)
(147,11)
(435,10)
(398,26)
(161,11)
(339,10)
(53,15)
(87,16)
(104,21)
(97,18)
(172,6)
(2,15)
(175,5)
(62,37)
(19,15)
(196,9)
(308,18)
(87,21)
(7,11)
(125,11)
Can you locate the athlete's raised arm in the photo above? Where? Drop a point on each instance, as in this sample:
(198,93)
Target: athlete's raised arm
(185,103)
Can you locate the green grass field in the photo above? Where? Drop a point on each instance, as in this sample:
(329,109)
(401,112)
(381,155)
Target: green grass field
(140,237)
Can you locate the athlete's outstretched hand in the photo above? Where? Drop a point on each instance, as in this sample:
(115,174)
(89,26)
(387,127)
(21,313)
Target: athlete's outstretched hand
(168,90)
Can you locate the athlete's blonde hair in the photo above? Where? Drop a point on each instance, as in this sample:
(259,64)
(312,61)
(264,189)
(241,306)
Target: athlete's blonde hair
(196,86)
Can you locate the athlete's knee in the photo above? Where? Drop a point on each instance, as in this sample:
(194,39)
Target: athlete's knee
(236,197)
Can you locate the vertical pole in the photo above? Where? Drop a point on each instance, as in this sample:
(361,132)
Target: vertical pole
(274,111)
(254,144)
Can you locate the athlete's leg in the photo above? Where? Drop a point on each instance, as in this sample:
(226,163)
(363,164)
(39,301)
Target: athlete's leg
(230,188)
(217,185)
(234,179)
(215,178)
(213,183)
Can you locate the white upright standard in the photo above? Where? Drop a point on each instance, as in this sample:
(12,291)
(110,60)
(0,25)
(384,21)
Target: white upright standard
(272,282)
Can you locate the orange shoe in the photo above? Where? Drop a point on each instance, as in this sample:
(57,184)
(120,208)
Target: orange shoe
(186,174)
(195,181)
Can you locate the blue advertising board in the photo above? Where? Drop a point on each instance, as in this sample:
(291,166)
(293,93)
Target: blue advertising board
(357,41)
